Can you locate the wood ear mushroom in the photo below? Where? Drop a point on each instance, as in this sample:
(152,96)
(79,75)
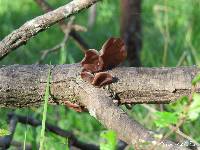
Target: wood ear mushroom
(94,62)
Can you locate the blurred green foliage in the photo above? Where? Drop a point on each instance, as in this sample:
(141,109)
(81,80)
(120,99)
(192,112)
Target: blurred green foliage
(164,119)
(171,35)
(4,132)
(109,140)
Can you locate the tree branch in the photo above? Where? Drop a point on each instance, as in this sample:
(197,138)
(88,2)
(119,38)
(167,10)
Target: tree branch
(24,85)
(40,23)
(80,41)
(15,118)
(104,110)
(60,45)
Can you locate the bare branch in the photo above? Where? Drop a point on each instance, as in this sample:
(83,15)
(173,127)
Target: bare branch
(54,129)
(5,141)
(80,41)
(60,45)
(101,107)
(182,137)
(23,85)
(33,27)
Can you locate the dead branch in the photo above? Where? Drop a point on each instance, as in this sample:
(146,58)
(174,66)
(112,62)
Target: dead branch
(80,41)
(101,107)
(23,85)
(60,45)
(33,27)
(14,118)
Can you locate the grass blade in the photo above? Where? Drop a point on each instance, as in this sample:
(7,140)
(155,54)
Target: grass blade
(46,97)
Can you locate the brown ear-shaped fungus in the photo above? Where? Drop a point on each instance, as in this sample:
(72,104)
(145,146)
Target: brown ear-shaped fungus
(92,62)
(87,76)
(102,78)
(113,52)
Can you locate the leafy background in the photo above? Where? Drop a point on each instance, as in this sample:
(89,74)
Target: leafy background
(171,35)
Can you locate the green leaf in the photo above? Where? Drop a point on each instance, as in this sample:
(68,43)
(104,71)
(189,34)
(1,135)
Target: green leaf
(194,109)
(109,140)
(196,79)
(164,119)
(4,132)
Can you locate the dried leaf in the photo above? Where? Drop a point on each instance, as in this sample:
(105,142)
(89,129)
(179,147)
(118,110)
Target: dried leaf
(102,78)
(92,62)
(113,53)
(73,106)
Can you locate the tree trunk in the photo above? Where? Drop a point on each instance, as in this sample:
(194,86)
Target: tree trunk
(131,29)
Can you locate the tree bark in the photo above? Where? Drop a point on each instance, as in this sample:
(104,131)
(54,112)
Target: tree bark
(131,29)
(110,115)
(24,85)
(31,28)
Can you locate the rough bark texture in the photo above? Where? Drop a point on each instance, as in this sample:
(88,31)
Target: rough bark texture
(131,29)
(23,85)
(103,109)
(40,23)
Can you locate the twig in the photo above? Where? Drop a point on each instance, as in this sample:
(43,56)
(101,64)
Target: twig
(182,58)
(183,116)
(131,29)
(33,27)
(181,119)
(79,40)
(60,45)
(188,138)
(48,51)
(61,132)
(178,132)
